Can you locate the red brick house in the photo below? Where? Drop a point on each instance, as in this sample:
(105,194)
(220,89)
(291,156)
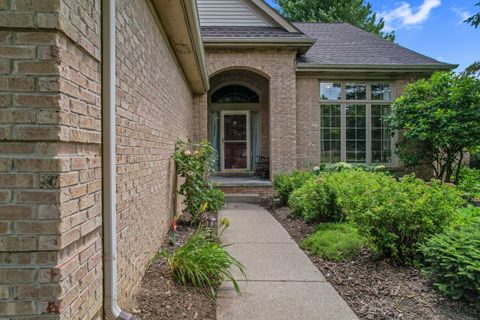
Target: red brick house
(94,94)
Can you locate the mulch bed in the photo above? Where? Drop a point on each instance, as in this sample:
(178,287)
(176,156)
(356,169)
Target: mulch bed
(161,298)
(376,289)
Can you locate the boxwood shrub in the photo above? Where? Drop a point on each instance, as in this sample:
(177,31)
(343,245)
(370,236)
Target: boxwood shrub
(405,214)
(286,183)
(333,195)
(315,201)
(469,182)
(397,215)
(452,258)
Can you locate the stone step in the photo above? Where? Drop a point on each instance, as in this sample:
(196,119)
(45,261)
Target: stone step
(234,174)
(254,198)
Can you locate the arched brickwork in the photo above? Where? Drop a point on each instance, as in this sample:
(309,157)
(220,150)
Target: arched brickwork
(278,66)
(256,82)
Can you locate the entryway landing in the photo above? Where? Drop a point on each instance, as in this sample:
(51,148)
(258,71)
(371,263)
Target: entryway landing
(245,181)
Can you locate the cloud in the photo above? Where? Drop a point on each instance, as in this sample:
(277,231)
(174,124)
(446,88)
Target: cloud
(405,16)
(462,14)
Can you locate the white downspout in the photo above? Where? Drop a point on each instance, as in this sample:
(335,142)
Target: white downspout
(111,308)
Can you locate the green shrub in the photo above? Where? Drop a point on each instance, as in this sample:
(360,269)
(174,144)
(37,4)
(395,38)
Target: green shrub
(452,259)
(334,195)
(397,215)
(469,182)
(202,263)
(465,216)
(315,202)
(359,191)
(286,183)
(341,166)
(215,199)
(335,241)
(405,214)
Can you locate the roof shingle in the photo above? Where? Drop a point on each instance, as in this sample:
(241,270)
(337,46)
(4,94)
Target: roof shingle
(344,44)
(247,32)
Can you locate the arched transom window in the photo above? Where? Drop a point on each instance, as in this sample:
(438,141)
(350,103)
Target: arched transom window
(235,94)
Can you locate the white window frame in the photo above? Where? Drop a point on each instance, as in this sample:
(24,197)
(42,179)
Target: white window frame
(368,102)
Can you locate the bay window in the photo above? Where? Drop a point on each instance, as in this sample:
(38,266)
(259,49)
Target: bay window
(352,125)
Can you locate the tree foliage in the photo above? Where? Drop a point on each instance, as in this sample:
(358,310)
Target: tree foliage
(440,120)
(473,69)
(475,19)
(355,12)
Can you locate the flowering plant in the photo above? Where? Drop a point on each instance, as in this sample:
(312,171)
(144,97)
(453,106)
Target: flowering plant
(194,163)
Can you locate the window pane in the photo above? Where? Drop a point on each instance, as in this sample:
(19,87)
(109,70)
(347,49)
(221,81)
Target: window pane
(356,133)
(330,133)
(235,126)
(356,91)
(381,135)
(235,155)
(381,92)
(330,91)
(235,94)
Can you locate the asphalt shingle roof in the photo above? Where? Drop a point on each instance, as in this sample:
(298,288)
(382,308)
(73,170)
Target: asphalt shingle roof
(342,43)
(248,32)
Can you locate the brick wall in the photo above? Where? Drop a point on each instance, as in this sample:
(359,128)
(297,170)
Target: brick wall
(50,152)
(278,66)
(308,134)
(154,109)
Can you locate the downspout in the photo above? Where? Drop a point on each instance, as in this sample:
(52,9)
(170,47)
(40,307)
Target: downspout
(111,308)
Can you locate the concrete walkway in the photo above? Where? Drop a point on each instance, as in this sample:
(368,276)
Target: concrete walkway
(282,283)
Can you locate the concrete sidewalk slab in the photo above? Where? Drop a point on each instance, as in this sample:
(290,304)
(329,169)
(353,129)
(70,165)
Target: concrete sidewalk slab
(283,284)
(250,226)
(282,301)
(261,262)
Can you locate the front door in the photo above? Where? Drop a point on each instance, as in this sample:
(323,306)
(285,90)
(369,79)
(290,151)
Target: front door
(235,142)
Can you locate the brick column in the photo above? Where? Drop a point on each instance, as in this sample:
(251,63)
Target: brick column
(50,175)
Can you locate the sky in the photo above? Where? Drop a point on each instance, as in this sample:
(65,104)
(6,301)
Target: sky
(432,27)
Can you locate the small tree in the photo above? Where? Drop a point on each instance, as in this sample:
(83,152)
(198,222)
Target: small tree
(475,19)
(440,120)
(474,68)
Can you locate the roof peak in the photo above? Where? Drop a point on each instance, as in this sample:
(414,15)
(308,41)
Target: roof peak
(241,13)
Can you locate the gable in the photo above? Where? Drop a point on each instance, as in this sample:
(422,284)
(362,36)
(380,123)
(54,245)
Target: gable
(229,13)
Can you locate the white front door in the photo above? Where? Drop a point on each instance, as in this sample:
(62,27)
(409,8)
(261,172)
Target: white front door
(235,141)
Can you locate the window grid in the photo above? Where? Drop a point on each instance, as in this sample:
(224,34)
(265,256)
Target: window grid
(356,133)
(381,135)
(364,135)
(330,133)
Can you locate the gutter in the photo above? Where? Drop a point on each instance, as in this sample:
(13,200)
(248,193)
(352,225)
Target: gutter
(305,66)
(260,41)
(191,12)
(111,308)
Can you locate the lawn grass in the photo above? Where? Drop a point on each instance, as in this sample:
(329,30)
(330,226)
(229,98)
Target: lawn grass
(335,241)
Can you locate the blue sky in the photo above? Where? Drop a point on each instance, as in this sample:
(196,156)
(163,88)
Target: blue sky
(433,27)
